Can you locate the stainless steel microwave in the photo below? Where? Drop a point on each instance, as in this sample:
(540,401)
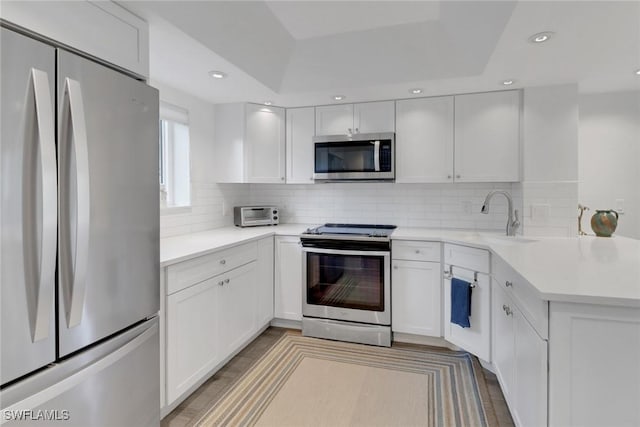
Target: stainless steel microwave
(361,156)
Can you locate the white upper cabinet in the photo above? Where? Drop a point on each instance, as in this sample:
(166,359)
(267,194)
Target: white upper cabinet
(374,117)
(103,29)
(264,146)
(424,140)
(250,143)
(487,137)
(299,137)
(334,119)
(367,117)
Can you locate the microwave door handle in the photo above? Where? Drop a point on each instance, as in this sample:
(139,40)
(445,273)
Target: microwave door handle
(376,156)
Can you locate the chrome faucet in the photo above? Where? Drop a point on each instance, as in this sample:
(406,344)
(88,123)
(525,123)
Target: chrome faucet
(513,223)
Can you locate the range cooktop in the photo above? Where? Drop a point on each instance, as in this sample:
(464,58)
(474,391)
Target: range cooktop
(367,230)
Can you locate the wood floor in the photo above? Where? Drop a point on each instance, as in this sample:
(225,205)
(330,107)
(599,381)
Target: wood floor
(190,411)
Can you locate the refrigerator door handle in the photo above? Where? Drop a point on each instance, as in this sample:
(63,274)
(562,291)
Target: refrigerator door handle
(74,272)
(40,267)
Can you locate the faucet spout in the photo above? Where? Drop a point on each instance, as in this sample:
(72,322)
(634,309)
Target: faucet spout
(513,222)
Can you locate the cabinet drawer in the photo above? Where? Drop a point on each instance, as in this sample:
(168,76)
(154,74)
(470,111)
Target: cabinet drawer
(534,309)
(196,270)
(415,250)
(469,258)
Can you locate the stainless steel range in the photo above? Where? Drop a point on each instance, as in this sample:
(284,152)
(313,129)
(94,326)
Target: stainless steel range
(347,283)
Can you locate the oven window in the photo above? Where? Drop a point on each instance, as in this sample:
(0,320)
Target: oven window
(347,281)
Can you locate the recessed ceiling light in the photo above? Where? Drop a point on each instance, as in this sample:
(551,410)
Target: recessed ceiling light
(267,103)
(638,72)
(508,82)
(338,97)
(541,37)
(415,91)
(217,74)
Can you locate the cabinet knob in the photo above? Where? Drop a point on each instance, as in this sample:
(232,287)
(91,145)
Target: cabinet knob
(220,283)
(282,178)
(449,176)
(223,262)
(395,267)
(226,280)
(349,131)
(417,251)
(508,284)
(357,130)
(457,176)
(310,178)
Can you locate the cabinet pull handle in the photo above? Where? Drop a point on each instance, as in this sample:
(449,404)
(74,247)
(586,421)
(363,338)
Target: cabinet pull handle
(223,262)
(507,310)
(220,283)
(226,280)
(508,284)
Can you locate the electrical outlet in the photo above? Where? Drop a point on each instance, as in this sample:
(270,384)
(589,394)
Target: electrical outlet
(539,213)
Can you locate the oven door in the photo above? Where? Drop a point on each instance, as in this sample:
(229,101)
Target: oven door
(349,285)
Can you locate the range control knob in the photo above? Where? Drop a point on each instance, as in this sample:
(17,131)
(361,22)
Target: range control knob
(275,218)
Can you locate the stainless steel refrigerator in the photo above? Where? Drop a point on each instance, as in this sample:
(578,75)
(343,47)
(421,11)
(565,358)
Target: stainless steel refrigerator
(79,240)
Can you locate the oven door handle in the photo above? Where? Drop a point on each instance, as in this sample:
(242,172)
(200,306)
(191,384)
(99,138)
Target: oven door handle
(345,252)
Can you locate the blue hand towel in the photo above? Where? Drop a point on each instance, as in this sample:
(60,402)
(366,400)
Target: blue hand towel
(460,302)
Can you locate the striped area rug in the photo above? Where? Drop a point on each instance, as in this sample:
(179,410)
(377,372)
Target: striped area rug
(305,381)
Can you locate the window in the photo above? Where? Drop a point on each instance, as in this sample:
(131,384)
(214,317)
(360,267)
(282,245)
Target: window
(175,176)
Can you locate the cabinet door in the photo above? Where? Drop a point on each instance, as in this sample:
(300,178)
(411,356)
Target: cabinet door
(264,280)
(300,155)
(415,298)
(476,339)
(530,364)
(236,307)
(192,336)
(487,137)
(264,144)
(334,119)
(424,140)
(374,117)
(289,280)
(503,338)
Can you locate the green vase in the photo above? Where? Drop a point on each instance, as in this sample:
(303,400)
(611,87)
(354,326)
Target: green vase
(604,222)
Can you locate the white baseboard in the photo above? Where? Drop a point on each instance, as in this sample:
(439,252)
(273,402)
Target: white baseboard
(286,323)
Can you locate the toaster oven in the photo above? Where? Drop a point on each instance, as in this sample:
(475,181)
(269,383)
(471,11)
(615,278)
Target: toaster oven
(251,216)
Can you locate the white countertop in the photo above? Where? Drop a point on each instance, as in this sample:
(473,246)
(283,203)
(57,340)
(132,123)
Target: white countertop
(184,247)
(588,269)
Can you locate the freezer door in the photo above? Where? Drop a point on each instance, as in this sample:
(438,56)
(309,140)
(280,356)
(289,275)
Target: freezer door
(28,205)
(108,259)
(113,384)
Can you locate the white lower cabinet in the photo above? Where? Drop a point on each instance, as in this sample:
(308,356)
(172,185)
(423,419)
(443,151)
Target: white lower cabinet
(288,278)
(594,365)
(264,277)
(236,308)
(192,336)
(519,355)
(416,297)
(210,320)
(471,265)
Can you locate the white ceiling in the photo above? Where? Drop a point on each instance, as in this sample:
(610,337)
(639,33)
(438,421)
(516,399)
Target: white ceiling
(298,53)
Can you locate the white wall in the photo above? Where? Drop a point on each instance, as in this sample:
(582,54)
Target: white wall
(410,205)
(549,189)
(207,197)
(609,157)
